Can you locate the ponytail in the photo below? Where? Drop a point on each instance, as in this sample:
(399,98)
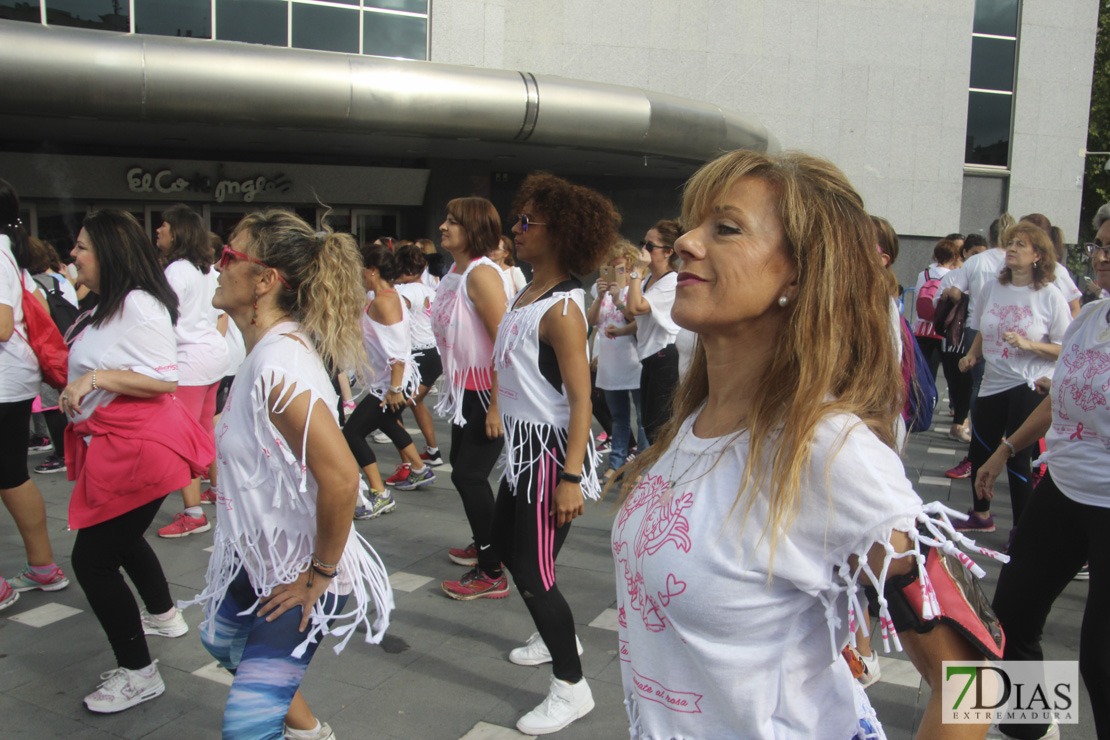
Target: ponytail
(324,271)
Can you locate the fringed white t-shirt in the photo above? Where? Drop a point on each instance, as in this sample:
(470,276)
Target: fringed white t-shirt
(710,646)
(532,409)
(464,346)
(420,299)
(387,345)
(267,497)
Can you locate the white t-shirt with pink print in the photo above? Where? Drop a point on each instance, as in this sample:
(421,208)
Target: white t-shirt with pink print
(1079,439)
(1038,315)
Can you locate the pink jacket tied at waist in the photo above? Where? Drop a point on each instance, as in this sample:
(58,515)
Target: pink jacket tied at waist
(139,449)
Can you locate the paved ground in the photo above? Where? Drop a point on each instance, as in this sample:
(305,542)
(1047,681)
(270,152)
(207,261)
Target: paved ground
(442,672)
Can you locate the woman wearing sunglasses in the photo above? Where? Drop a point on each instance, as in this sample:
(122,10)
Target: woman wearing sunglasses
(202,354)
(544,398)
(651,289)
(1064,524)
(287,562)
(129,444)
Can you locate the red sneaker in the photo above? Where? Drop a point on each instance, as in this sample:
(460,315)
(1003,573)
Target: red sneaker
(961,471)
(184,525)
(208,496)
(464,555)
(400,474)
(476,585)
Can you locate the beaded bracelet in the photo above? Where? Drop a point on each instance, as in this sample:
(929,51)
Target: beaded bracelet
(95,388)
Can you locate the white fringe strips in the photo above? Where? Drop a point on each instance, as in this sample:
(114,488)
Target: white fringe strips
(526,445)
(936,519)
(274,541)
(450,403)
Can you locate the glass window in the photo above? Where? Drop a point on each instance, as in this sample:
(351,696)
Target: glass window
(996,17)
(344,2)
(20,10)
(325,28)
(988,129)
(187,18)
(412,6)
(105,15)
(386,35)
(992,63)
(253,21)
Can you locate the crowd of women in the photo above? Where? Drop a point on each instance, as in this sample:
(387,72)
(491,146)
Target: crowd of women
(765,512)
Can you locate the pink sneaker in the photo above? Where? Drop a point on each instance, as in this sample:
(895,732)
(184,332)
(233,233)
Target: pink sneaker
(464,555)
(208,496)
(184,525)
(961,471)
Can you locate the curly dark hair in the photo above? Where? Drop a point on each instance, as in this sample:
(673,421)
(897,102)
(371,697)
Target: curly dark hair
(581,223)
(410,260)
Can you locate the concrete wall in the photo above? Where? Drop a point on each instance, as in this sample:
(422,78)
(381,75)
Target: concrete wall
(877,86)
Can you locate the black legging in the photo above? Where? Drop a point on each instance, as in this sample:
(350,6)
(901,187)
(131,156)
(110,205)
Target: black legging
(996,416)
(15,416)
(472,457)
(98,554)
(658,380)
(600,407)
(56,423)
(931,348)
(1054,537)
(367,417)
(959,386)
(529,542)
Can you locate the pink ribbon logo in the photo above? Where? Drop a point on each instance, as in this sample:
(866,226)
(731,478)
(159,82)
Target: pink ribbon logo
(1078,434)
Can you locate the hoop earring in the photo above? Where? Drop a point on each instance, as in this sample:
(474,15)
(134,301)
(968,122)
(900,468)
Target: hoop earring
(783,300)
(254,315)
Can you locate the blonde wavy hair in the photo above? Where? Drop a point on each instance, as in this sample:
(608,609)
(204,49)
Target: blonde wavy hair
(624,250)
(324,271)
(835,354)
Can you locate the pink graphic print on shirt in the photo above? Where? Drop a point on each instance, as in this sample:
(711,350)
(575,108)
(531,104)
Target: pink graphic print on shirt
(662,522)
(1080,385)
(1017,319)
(440,310)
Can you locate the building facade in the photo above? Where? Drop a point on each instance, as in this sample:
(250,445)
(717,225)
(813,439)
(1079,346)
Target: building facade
(942,114)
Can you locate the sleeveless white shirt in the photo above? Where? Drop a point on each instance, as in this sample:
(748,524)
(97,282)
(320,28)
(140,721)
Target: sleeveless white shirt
(527,401)
(386,345)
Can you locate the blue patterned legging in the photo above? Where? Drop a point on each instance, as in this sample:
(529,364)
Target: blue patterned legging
(259,653)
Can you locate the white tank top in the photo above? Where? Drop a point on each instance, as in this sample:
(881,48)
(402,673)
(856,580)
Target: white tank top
(420,298)
(386,345)
(526,399)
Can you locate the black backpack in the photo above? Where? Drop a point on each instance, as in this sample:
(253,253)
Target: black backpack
(62,311)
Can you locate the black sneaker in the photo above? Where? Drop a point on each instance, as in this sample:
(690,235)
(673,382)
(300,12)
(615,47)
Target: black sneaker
(39,444)
(431,458)
(52,465)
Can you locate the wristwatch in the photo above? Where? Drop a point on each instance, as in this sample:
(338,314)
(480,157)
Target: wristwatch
(634,274)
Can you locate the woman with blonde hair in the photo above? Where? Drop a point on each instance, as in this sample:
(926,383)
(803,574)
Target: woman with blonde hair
(287,562)
(618,365)
(749,527)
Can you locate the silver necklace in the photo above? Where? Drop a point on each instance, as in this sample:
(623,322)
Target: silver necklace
(672,480)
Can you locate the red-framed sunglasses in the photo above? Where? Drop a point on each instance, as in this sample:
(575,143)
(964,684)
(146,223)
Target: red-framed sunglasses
(229,254)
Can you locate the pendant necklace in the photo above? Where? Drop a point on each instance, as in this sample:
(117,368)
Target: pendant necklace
(546,288)
(673,480)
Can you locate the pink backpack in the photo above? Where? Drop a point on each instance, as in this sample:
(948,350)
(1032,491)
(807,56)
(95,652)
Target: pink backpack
(925,307)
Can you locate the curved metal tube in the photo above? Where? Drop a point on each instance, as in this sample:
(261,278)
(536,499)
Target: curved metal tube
(52,71)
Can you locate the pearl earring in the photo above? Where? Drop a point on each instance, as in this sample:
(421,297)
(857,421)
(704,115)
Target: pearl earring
(783,300)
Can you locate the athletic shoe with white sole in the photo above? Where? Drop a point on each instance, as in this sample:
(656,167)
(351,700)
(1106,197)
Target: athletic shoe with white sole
(8,595)
(565,703)
(28,580)
(184,525)
(175,626)
(431,458)
(122,689)
(323,731)
(535,652)
(416,479)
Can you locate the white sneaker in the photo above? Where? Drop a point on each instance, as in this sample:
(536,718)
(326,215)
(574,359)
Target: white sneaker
(565,703)
(122,689)
(323,731)
(381,438)
(872,672)
(535,652)
(175,626)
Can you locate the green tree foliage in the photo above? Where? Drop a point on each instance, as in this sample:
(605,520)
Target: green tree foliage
(1096,181)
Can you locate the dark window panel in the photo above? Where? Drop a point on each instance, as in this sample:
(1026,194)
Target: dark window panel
(996,17)
(988,129)
(185,18)
(20,10)
(412,6)
(103,15)
(992,63)
(253,21)
(386,35)
(346,2)
(324,28)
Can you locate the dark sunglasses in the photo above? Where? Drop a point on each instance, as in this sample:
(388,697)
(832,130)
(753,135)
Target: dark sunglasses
(645,244)
(525,222)
(229,254)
